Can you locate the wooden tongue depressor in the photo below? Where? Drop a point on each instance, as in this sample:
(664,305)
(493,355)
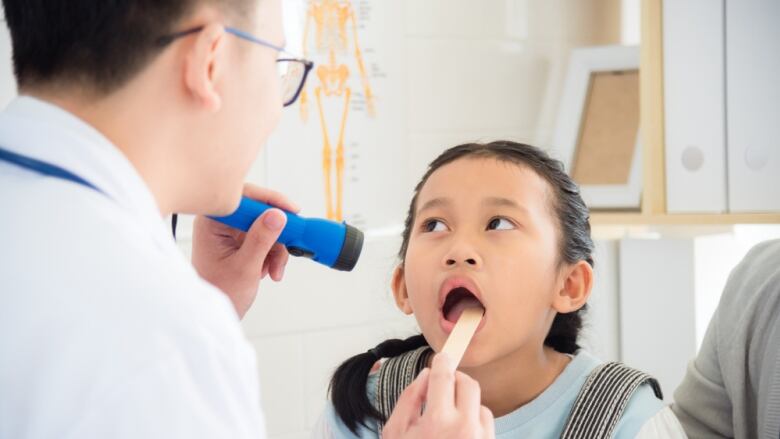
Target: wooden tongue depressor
(461,334)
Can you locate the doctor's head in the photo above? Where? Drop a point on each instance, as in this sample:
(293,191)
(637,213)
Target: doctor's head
(201,103)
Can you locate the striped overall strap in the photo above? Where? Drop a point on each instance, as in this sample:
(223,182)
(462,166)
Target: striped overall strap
(602,400)
(395,375)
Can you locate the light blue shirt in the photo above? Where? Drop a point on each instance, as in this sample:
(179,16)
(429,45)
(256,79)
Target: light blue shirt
(545,416)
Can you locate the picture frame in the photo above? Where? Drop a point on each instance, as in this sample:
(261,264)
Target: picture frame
(597,130)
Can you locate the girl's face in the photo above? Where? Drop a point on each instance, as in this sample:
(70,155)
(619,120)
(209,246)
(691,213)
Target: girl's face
(484,228)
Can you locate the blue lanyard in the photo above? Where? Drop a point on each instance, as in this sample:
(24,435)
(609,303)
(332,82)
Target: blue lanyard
(55,171)
(44,168)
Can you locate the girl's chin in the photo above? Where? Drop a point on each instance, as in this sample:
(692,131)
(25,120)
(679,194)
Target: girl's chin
(472,360)
(476,356)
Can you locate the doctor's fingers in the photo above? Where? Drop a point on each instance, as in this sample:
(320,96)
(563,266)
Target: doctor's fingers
(407,410)
(260,239)
(441,386)
(268,196)
(468,396)
(488,422)
(276,261)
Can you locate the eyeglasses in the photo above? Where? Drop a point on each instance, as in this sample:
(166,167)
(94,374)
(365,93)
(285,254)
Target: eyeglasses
(293,71)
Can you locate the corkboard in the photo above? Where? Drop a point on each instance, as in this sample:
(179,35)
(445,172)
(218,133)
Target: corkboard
(608,132)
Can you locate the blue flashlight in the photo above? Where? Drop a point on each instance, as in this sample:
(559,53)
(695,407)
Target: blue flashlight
(337,245)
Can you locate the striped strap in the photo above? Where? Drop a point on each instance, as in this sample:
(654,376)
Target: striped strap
(395,375)
(602,400)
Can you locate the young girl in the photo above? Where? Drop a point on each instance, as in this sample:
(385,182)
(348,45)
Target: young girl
(500,226)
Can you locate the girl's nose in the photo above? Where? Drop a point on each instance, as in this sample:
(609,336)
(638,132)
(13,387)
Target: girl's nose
(470,261)
(462,255)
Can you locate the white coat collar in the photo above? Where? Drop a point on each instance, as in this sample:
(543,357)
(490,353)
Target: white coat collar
(46,132)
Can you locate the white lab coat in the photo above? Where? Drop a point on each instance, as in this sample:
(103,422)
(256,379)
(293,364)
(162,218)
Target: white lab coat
(106,331)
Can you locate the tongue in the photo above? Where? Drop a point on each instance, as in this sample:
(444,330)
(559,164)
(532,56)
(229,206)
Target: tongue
(457,309)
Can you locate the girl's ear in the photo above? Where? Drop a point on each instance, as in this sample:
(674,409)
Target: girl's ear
(399,291)
(576,288)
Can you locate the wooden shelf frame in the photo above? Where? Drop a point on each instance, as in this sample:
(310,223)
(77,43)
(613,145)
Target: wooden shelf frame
(598,218)
(651,120)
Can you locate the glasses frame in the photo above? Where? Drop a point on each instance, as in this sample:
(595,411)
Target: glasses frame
(307,64)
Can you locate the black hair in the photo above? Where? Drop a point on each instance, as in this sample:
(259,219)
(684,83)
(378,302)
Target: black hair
(99,45)
(348,385)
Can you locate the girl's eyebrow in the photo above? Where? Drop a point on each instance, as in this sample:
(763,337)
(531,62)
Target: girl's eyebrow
(503,202)
(489,201)
(436,202)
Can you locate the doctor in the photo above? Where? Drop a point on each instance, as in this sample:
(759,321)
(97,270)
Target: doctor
(132,110)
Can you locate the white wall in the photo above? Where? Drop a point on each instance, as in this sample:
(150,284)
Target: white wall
(492,69)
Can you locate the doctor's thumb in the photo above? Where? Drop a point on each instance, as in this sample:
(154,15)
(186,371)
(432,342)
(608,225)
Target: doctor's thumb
(262,236)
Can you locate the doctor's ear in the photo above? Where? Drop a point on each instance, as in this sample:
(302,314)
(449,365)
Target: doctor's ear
(204,63)
(400,292)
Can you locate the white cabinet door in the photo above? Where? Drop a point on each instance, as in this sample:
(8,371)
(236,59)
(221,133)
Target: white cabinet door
(694,101)
(753,104)
(657,307)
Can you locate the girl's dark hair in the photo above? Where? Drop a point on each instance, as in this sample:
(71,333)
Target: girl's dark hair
(348,385)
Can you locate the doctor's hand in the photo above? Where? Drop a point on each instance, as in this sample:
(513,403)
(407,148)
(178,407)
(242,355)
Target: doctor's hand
(235,261)
(452,406)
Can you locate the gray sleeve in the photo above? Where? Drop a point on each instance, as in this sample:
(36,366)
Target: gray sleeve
(702,403)
(724,390)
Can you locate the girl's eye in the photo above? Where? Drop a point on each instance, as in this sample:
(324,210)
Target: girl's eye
(500,224)
(434,226)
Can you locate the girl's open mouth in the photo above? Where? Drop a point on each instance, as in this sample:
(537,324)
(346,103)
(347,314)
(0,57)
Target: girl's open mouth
(458,299)
(458,294)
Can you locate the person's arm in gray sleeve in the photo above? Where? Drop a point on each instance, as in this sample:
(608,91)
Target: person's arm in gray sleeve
(702,404)
(732,388)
